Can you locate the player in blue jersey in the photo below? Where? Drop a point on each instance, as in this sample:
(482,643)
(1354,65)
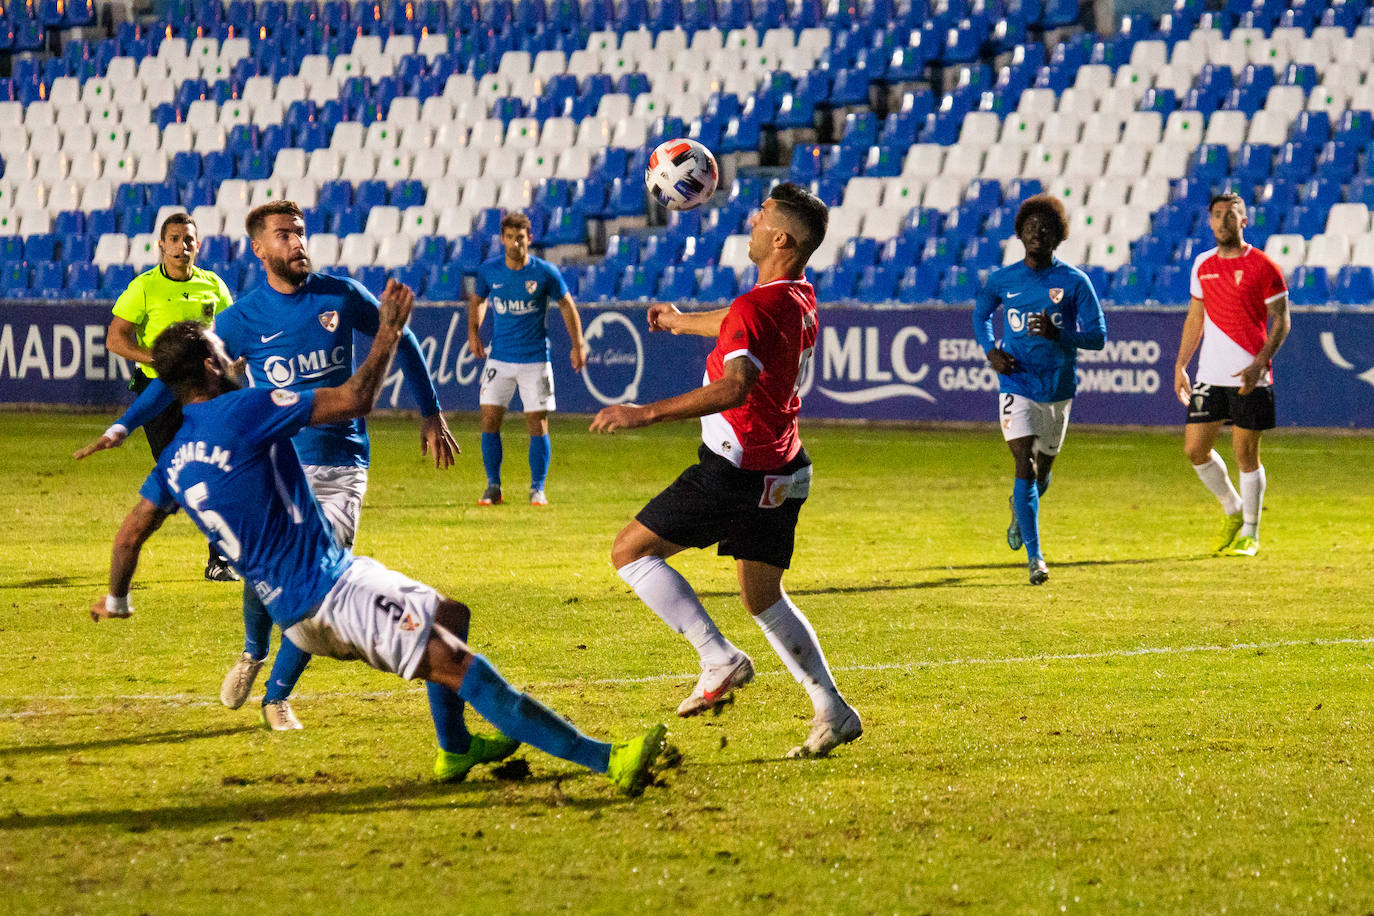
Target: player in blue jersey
(1052,312)
(233,468)
(296,332)
(519,288)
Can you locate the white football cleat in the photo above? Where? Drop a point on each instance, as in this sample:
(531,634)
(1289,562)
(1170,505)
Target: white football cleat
(238,683)
(277,715)
(828,734)
(716,685)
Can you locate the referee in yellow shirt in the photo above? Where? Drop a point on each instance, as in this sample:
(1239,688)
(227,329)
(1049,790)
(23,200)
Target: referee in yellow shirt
(175,290)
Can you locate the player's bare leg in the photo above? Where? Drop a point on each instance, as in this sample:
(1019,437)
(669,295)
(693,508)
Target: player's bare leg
(1025,505)
(450,663)
(639,557)
(537,423)
(1246,443)
(792,637)
(1198,442)
(491,417)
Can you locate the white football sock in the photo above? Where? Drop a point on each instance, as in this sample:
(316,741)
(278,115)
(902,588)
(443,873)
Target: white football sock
(790,634)
(671,597)
(1213,474)
(1252,494)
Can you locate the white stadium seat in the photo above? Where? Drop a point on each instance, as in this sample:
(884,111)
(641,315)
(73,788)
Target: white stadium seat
(1287,251)
(357,250)
(1328,250)
(111,248)
(1350,219)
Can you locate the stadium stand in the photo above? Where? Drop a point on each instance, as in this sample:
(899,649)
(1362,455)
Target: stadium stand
(404,128)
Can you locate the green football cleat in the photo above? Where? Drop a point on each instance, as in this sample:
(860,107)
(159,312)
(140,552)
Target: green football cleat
(1226,532)
(630,762)
(1014,529)
(450,767)
(1243,546)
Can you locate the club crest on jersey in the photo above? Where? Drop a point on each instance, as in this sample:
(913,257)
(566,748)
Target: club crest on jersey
(329,320)
(531,286)
(207,310)
(1239,274)
(1056,294)
(409,622)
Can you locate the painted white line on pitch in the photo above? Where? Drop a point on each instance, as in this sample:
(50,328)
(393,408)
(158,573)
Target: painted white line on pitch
(199,701)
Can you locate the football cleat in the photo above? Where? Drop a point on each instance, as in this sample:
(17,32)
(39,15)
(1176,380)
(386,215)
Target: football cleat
(716,685)
(491,496)
(238,683)
(450,767)
(630,763)
(1243,546)
(277,715)
(1227,531)
(219,570)
(1014,529)
(828,734)
(1039,572)
(537,498)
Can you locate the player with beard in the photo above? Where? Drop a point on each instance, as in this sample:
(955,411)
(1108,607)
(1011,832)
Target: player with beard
(296,332)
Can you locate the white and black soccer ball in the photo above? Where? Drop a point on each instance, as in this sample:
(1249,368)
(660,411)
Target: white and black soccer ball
(681,174)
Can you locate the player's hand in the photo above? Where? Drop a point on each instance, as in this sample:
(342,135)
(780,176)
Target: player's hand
(1042,325)
(1002,362)
(99,612)
(397,302)
(436,439)
(578,357)
(619,416)
(663,317)
(107,440)
(1250,377)
(475,347)
(1183,387)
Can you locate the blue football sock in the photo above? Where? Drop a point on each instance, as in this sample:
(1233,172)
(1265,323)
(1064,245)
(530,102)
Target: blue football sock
(1027,502)
(287,668)
(257,626)
(540,451)
(1042,485)
(525,719)
(491,457)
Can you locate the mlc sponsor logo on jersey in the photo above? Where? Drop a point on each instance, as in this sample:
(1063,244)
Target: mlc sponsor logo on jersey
(615,363)
(282,371)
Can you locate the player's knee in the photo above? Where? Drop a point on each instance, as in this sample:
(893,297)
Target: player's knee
(1196,454)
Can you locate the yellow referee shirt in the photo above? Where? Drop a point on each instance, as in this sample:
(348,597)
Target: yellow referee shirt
(154,301)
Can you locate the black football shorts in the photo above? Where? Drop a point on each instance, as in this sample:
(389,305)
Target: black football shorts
(1214,403)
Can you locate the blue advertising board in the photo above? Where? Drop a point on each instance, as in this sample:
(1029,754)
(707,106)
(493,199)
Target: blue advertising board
(907,363)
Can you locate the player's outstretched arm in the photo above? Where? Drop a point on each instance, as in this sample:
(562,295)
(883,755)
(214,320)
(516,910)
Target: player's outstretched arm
(138,526)
(664,316)
(437,440)
(355,397)
(1192,336)
(729,391)
(477,310)
(573,321)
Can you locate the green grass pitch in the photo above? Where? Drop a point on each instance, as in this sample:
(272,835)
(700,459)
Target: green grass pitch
(1153,731)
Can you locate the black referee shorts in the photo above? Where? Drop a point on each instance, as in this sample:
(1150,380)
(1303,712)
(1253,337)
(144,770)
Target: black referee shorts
(714,502)
(162,428)
(1218,403)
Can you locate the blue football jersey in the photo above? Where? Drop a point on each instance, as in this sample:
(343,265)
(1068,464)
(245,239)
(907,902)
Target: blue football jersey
(1048,368)
(232,468)
(519,301)
(305,341)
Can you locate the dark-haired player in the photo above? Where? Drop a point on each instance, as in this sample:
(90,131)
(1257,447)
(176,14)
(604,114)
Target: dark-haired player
(1239,313)
(296,332)
(519,288)
(1051,312)
(233,469)
(175,290)
(752,476)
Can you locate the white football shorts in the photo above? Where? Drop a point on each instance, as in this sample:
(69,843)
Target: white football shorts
(535,381)
(339,491)
(374,614)
(1021,417)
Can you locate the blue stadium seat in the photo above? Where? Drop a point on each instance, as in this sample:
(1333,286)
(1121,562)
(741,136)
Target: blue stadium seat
(837,283)
(369,194)
(884,161)
(878,283)
(859,253)
(1309,286)
(1355,127)
(659,251)
(83,280)
(114,280)
(1171,283)
(1354,286)
(919,284)
(468,254)
(622,251)
(1131,284)
(599,283)
(444,283)
(40,248)
(69,222)
(718,284)
(50,280)
(635,284)
(77,248)
(14,279)
(677,281)
(806,163)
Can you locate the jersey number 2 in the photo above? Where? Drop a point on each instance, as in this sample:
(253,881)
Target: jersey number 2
(227,544)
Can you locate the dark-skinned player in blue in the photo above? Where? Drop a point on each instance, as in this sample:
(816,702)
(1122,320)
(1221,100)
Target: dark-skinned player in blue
(232,467)
(1050,313)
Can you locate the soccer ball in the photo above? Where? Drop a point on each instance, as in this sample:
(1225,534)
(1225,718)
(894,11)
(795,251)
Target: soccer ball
(682,174)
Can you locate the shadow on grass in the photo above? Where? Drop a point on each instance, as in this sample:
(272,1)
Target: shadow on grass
(946,582)
(54,582)
(170,737)
(239,808)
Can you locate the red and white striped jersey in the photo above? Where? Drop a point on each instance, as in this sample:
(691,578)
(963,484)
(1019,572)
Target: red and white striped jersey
(773,326)
(1235,293)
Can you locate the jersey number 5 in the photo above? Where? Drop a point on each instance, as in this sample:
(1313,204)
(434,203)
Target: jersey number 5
(226,543)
